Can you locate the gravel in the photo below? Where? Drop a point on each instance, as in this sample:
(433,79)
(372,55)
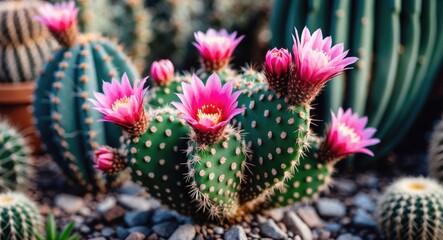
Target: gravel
(345,213)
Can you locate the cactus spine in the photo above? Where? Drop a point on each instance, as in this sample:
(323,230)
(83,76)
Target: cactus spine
(19,217)
(24,43)
(407,56)
(15,159)
(67,124)
(411,208)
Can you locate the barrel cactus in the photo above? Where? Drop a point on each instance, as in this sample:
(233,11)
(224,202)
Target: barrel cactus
(397,43)
(25,44)
(19,216)
(64,118)
(411,208)
(15,159)
(233,143)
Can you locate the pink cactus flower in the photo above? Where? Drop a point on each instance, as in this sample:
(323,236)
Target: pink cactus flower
(316,61)
(277,69)
(216,48)
(59,16)
(122,104)
(208,109)
(162,72)
(347,135)
(108,160)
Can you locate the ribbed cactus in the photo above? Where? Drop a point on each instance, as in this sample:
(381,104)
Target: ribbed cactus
(15,159)
(193,159)
(435,152)
(411,208)
(397,43)
(19,217)
(25,44)
(67,124)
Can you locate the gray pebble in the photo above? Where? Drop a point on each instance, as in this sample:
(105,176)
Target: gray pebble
(121,232)
(184,232)
(348,236)
(218,230)
(235,233)
(309,216)
(328,207)
(297,226)
(270,229)
(146,231)
(130,188)
(69,203)
(136,236)
(163,215)
(345,185)
(363,219)
(137,218)
(165,229)
(84,229)
(362,200)
(107,232)
(333,227)
(137,203)
(106,205)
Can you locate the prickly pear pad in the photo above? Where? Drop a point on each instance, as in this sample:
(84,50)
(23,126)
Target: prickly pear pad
(158,161)
(216,173)
(277,135)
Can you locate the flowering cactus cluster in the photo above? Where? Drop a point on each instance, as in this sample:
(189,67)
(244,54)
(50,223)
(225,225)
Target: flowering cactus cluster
(235,142)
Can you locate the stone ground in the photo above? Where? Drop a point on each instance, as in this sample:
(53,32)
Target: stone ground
(346,212)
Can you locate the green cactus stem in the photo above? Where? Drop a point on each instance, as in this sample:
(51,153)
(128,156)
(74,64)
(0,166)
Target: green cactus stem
(68,126)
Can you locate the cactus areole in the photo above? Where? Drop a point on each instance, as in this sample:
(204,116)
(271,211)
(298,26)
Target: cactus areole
(235,143)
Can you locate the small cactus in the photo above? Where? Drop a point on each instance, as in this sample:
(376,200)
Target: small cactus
(412,208)
(435,152)
(19,217)
(25,44)
(15,159)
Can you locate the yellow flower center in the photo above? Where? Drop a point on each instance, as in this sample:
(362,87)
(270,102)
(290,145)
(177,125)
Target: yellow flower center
(122,102)
(417,186)
(209,112)
(347,131)
(6,200)
(320,55)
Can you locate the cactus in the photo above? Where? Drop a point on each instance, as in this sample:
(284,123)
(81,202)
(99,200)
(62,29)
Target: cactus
(67,124)
(435,152)
(406,56)
(226,171)
(19,217)
(411,208)
(15,159)
(24,43)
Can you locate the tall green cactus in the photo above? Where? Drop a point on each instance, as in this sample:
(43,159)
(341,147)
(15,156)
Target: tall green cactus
(68,126)
(25,44)
(15,160)
(397,63)
(19,217)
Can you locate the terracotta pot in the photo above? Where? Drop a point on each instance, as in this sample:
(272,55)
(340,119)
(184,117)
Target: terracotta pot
(15,104)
